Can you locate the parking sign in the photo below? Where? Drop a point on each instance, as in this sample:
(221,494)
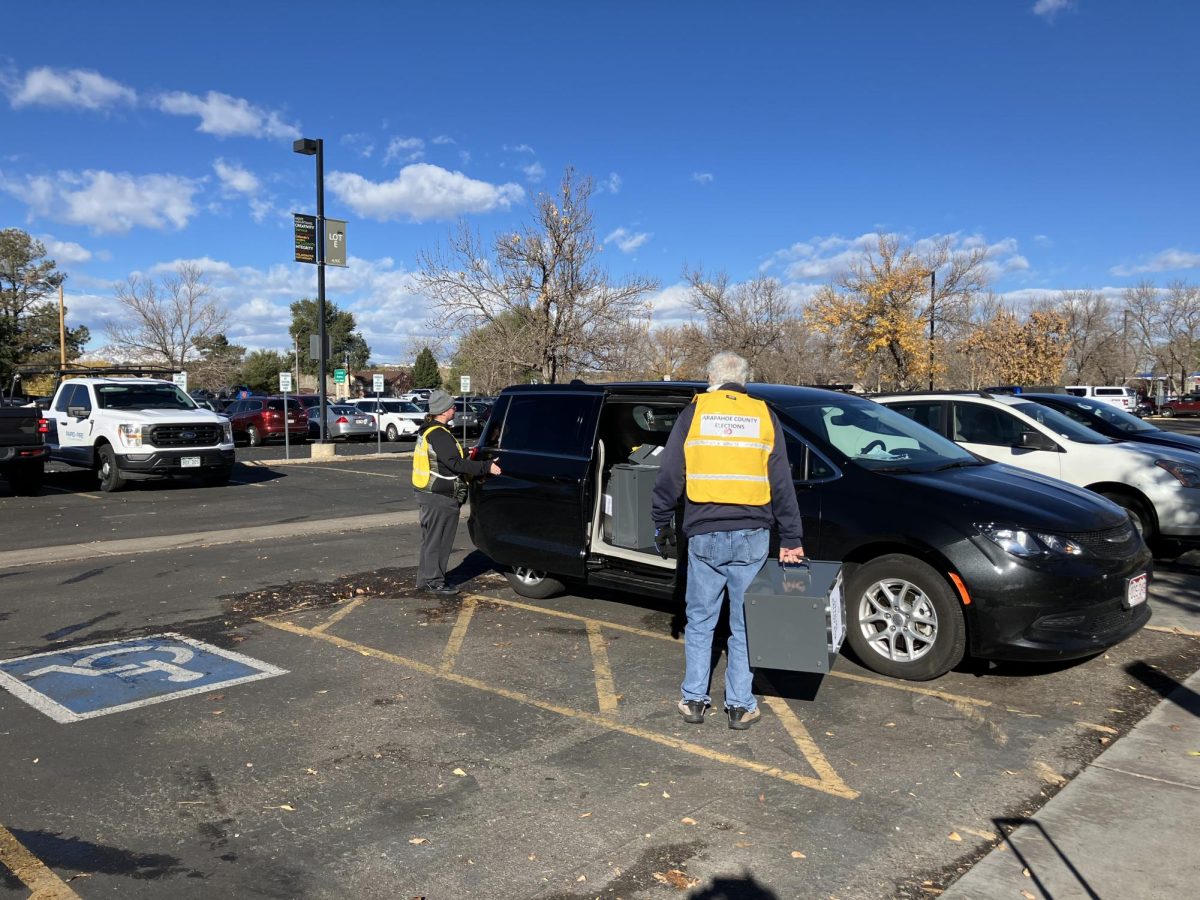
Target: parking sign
(285,382)
(180,379)
(377,384)
(464,384)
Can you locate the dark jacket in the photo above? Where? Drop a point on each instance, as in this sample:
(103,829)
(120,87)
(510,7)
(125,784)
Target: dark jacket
(703,518)
(445,447)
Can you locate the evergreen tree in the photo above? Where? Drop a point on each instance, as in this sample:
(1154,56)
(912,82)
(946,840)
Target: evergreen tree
(425,370)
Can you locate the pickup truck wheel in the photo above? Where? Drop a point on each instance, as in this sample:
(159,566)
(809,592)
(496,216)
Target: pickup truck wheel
(903,620)
(533,584)
(26,480)
(393,434)
(110,476)
(253,437)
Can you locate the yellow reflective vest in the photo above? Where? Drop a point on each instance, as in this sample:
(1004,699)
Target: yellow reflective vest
(727,449)
(425,468)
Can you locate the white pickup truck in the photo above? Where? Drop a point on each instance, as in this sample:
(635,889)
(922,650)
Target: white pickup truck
(133,427)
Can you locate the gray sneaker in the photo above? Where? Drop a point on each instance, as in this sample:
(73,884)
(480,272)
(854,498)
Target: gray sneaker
(693,711)
(740,719)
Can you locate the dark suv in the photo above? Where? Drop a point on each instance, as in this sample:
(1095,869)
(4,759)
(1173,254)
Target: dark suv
(943,552)
(257,419)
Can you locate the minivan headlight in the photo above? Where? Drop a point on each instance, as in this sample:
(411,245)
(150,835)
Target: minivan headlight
(1187,474)
(1029,544)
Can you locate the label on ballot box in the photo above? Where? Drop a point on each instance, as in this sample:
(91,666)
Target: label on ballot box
(795,616)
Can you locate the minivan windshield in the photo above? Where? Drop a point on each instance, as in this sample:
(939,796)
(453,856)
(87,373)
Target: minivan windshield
(1060,424)
(874,437)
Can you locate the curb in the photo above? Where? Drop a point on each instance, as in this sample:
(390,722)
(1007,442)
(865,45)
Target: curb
(300,461)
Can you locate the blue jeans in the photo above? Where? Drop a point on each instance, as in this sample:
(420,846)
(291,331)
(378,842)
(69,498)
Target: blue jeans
(718,561)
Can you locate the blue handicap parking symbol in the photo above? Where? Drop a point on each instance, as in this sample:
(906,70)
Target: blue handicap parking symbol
(85,682)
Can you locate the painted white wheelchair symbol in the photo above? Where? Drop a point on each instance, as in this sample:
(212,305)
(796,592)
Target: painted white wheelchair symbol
(84,666)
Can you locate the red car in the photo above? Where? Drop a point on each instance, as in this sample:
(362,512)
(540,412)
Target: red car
(1187,405)
(257,419)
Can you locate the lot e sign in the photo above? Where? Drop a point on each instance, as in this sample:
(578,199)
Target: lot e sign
(85,682)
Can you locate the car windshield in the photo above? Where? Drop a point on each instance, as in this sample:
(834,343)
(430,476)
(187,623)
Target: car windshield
(1060,424)
(142,396)
(874,437)
(1087,411)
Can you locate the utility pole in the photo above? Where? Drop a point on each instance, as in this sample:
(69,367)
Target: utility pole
(932,284)
(310,147)
(62,329)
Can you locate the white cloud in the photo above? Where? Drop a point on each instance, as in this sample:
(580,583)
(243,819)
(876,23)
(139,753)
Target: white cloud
(824,258)
(107,202)
(517,148)
(443,139)
(1165,261)
(627,241)
(362,144)
(404,149)
(65,251)
(420,192)
(609,185)
(534,171)
(1048,9)
(69,87)
(226,116)
(465,157)
(235,178)
(702,177)
(260,209)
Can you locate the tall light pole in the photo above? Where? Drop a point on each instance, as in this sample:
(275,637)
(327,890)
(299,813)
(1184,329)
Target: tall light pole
(310,147)
(932,286)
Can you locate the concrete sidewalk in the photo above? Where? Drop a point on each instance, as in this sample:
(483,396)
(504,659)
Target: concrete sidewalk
(1127,825)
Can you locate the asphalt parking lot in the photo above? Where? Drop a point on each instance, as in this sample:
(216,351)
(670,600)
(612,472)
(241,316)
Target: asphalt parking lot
(373,743)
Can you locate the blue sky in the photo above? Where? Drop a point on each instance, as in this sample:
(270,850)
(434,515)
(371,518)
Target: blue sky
(749,137)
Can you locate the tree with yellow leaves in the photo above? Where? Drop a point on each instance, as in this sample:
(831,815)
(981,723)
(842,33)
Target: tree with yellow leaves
(880,310)
(1015,352)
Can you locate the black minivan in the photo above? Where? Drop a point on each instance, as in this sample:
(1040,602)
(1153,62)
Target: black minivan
(943,552)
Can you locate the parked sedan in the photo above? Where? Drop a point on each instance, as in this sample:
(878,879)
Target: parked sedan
(341,421)
(1115,423)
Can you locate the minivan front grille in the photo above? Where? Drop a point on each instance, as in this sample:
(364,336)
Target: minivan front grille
(1113,543)
(201,435)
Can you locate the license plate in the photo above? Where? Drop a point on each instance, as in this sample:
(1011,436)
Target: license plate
(189,462)
(1135,590)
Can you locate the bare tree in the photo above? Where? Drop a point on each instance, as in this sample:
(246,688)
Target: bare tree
(1095,354)
(164,322)
(1180,323)
(746,318)
(548,273)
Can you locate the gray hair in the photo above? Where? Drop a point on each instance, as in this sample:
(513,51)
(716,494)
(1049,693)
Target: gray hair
(726,367)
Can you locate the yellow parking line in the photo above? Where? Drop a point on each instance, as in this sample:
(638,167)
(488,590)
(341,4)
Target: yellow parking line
(794,727)
(454,645)
(1173,629)
(31,871)
(659,636)
(341,613)
(57,490)
(837,789)
(606,693)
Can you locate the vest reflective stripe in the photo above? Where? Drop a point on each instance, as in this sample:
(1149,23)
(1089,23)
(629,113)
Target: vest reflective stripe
(727,449)
(424,469)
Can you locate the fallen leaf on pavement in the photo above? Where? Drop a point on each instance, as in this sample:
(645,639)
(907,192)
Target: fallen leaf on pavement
(418,841)
(954,836)
(676,879)
(586,815)
(796,854)
(283,806)
(643,784)
(581,878)
(1028,896)
(666,795)
(1026,873)
(459,772)
(687,820)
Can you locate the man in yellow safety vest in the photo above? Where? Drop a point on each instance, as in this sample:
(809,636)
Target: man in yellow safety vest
(726,455)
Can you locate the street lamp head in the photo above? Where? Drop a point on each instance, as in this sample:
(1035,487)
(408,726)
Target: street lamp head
(307,146)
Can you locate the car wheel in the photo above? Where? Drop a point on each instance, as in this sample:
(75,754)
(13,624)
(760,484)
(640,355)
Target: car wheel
(533,584)
(1166,412)
(26,479)
(1143,519)
(393,433)
(903,619)
(253,437)
(107,471)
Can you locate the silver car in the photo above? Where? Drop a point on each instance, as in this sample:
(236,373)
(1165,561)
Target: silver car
(341,422)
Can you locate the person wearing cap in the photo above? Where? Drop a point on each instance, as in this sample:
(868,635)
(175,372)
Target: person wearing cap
(440,470)
(726,457)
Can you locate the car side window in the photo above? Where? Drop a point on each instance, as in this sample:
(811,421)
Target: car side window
(807,464)
(930,414)
(65,398)
(975,423)
(559,424)
(491,437)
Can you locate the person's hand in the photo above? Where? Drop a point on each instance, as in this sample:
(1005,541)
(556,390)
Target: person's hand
(494,468)
(664,536)
(794,555)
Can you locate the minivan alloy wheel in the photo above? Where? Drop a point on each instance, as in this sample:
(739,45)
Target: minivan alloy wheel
(533,583)
(897,620)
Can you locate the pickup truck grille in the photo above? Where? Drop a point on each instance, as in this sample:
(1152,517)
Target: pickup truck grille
(185,435)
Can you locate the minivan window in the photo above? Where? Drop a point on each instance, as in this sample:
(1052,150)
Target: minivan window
(807,464)
(1060,424)
(874,437)
(559,424)
(1087,411)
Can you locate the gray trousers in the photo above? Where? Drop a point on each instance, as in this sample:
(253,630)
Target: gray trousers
(439,525)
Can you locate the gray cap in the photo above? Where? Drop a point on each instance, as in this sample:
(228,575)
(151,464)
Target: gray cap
(439,402)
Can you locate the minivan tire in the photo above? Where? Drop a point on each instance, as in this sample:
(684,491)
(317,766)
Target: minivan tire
(903,620)
(533,584)
(107,470)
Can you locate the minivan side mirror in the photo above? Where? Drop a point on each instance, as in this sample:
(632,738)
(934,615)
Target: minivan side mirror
(1035,440)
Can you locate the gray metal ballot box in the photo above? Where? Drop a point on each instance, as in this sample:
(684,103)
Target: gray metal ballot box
(795,616)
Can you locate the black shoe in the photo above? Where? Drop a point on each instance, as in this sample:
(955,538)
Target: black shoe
(443,590)
(740,719)
(693,711)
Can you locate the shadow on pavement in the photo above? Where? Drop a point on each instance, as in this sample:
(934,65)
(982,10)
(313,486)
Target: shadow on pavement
(744,888)
(1012,824)
(1166,687)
